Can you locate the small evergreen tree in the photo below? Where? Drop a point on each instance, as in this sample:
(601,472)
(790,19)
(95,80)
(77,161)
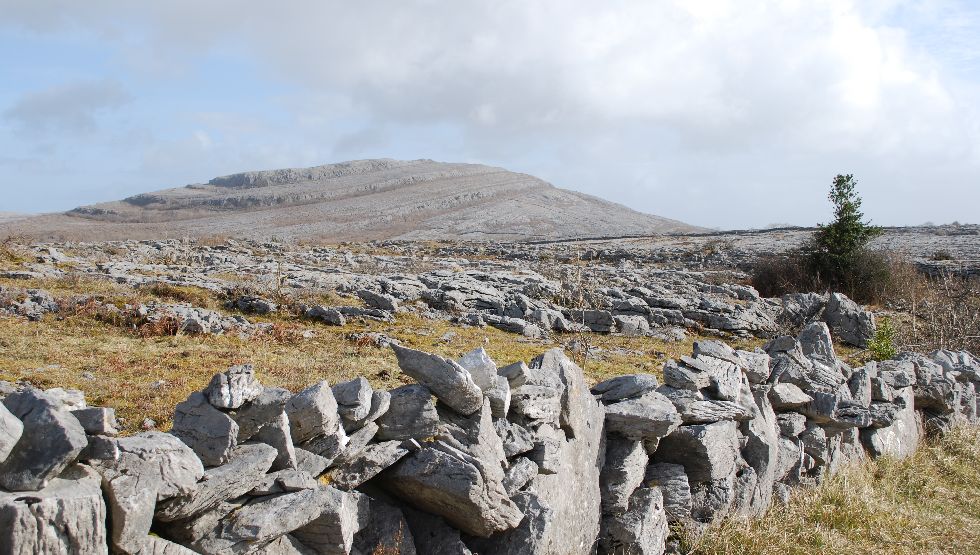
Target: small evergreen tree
(837,249)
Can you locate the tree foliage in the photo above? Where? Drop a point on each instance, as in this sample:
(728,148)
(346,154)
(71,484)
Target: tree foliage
(836,253)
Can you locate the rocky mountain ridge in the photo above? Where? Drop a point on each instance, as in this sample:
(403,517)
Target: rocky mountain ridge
(358,200)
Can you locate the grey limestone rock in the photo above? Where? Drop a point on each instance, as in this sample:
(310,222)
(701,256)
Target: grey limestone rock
(520,472)
(353,399)
(246,467)
(264,409)
(455,486)
(311,463)
(625,387)
(356,443)
(211,433)
(623,472)
(516,439)
(11,429)
(380,301)
(277,434)
(481,367)
(264,519)
(155,545)
(327,315)
(380,403)
(433,536)
(233,388)
(68,515)
(516,373)
(333,531)
(848,321)
(449,381)
(900,438)
(791,424)
(312,412)
(51,440)
(148,468)
(787,396)
(368,464)
(411,414)
(651,416)
(641,530)
(675,487)
(499,396)
(537,532)
(706,451)
(705,411)
(96,421)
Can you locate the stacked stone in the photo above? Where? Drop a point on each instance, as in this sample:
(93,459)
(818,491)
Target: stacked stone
(473,458)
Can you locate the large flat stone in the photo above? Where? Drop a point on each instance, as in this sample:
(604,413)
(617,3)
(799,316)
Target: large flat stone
(449,381)
(67,516)
(51,439)
(211,433)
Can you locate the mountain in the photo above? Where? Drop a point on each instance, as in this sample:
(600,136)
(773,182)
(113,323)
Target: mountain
(358,200)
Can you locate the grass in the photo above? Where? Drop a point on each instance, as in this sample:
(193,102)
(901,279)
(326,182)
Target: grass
(926,504)
(143,374)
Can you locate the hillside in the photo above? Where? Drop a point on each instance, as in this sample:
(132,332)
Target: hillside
(359,200)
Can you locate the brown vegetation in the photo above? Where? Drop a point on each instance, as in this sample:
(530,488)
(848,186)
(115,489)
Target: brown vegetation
(924,504)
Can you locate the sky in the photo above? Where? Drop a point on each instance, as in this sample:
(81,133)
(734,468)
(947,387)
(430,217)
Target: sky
(726,114)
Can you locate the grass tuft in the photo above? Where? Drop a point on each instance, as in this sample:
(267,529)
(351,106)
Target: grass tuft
(927,503)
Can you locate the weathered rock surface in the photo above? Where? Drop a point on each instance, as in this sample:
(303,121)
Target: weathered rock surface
(449,381)
(50,441)
(68,515)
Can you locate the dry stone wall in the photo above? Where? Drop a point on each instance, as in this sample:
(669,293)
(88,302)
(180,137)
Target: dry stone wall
(473,458)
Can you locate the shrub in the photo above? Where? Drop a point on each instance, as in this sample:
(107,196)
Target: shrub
(882,345)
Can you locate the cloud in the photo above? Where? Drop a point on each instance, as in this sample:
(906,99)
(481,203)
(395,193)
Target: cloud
(70,107)
(722,112)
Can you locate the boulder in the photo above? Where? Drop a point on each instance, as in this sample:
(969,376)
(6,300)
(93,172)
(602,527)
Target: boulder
(560,520)
(262,520)
(267,407)
(11,429)
(96,421)
(499,396)
(649,417)
(899,439)
(343,515)
(233,388)
(623,472)
(449,381)
(481,367)
(515,438)
(312,412)
(625,387)
(277,434)
(146,468)
(787,396)
(68,515)
(380,402)
(411,414)
(848,322)
(367,464)
(706,451)
(456,486)
(51,440)
(675,488)
(520,472)
(211,433)
(353,399)
(642,530)
(246,468)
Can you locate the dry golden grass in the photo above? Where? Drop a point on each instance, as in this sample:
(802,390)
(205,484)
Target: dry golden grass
(926,504)
(144,372)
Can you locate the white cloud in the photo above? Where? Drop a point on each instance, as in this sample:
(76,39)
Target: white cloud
(704,111)
(69,107)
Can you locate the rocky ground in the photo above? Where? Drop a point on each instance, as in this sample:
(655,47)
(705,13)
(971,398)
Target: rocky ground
(469,388)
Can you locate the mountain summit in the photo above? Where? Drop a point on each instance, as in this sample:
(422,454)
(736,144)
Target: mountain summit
(363,200)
